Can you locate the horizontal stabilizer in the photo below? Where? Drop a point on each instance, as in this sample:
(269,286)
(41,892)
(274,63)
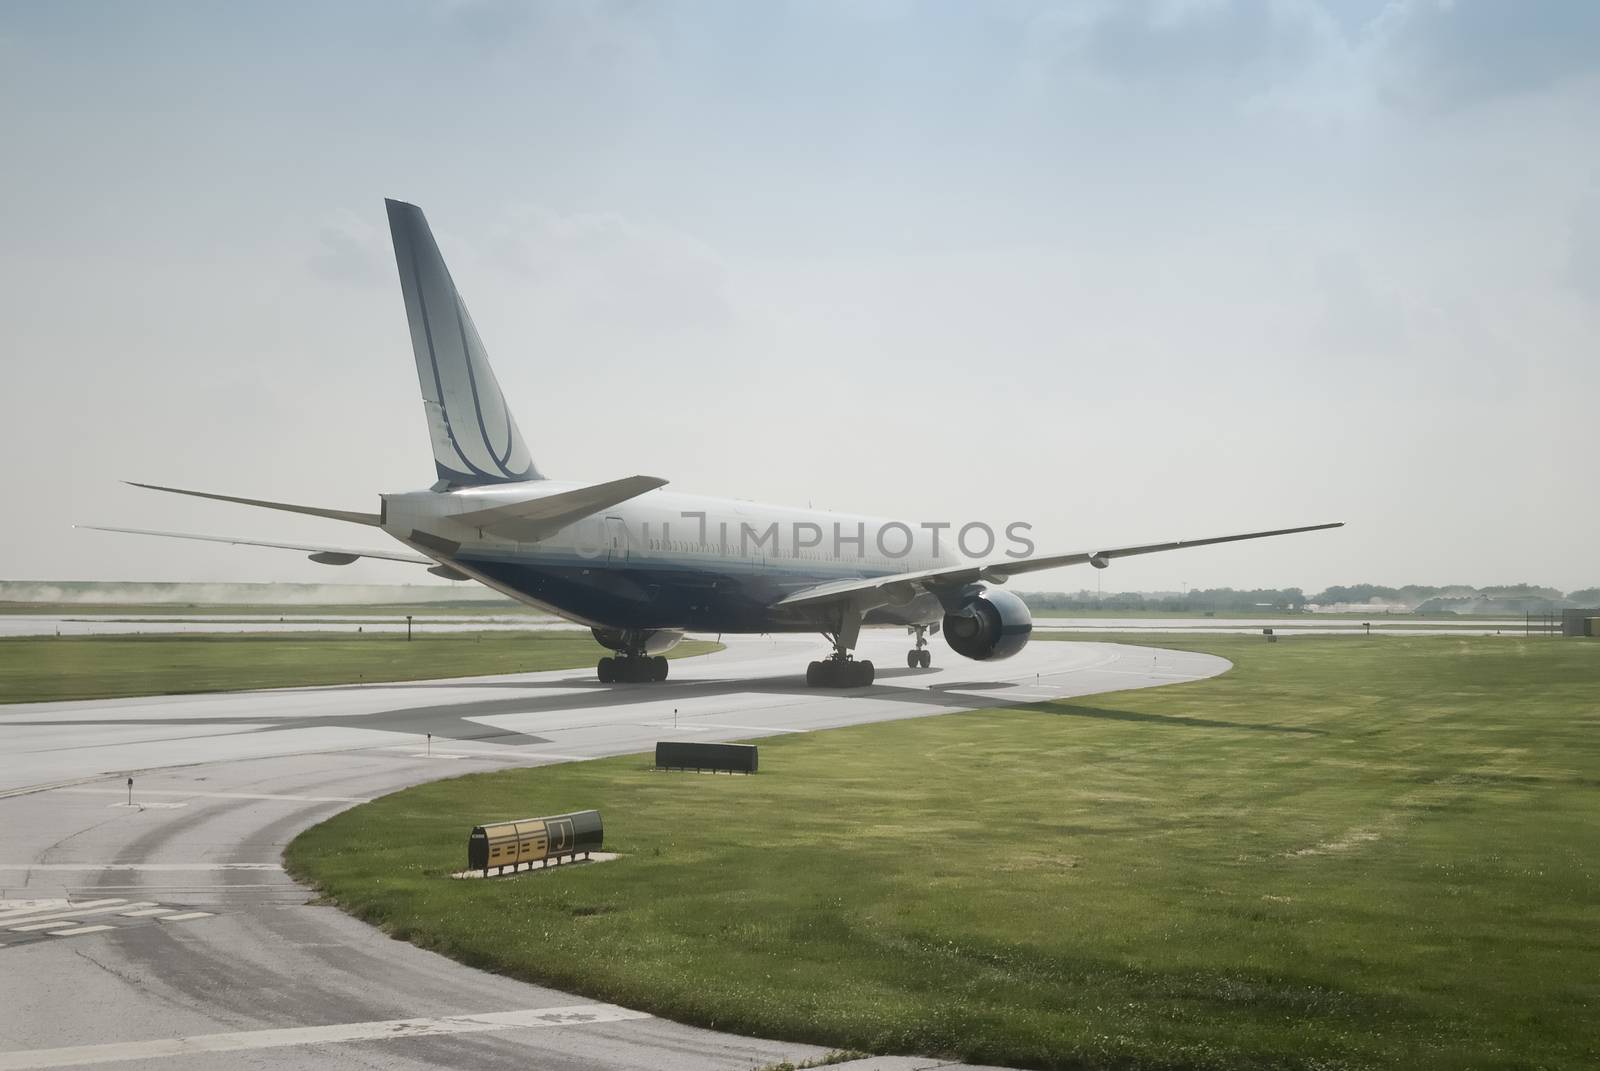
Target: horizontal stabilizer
(872,590)
(320,554)
(536,518)
(315,511)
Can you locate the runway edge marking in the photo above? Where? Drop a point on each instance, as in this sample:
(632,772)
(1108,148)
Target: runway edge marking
(380,1030)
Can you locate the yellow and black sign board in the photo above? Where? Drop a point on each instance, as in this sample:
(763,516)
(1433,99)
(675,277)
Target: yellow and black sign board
(534,840)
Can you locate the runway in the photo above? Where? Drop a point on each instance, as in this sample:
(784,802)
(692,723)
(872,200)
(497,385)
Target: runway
(103,624)
(164,933)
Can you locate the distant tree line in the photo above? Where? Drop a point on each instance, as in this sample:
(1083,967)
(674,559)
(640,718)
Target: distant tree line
(1412,594)
(1198,601)
(1247,600)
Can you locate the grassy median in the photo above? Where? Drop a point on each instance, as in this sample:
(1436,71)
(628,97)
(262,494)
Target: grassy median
(39,668)
(1346,853)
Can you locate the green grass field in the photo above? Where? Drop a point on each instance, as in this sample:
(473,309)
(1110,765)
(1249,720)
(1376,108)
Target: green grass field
(38,668)
(1346,853)
(396,610)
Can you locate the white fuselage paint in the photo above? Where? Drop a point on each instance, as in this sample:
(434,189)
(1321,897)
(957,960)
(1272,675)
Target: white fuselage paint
(783,548)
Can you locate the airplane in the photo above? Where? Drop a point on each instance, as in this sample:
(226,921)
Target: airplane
(641,566)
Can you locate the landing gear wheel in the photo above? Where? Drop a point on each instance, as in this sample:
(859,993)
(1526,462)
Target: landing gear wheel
(607,671)
(927,658)
(658,668)
(839,672)
(913,659)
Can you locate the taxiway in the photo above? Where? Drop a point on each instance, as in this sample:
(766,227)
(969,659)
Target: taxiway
(164,932)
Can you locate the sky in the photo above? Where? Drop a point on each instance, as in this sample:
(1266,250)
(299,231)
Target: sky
(1125,271)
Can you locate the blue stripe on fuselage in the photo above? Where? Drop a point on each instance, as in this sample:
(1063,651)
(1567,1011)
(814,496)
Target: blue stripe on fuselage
(700,594)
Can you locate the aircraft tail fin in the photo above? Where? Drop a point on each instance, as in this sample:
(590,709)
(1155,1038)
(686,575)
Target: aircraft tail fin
(475,439)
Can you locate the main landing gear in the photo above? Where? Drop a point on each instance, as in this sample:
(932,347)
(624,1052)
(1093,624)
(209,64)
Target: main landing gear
(632,669)
(919,657)
(840,670)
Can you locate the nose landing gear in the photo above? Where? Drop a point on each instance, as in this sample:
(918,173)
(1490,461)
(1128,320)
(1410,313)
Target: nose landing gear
(919,657)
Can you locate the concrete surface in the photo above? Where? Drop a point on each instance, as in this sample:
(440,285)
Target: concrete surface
(165,934)
(151,624)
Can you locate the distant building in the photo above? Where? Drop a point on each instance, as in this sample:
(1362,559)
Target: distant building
(1580,622)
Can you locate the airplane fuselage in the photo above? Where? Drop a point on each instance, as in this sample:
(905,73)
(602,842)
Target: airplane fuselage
(666,560)
(641,566)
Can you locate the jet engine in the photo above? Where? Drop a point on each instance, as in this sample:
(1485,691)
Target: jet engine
(646,641)
(989,625)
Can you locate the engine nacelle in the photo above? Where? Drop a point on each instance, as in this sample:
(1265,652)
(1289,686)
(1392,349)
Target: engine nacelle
(991,624)
(651,641)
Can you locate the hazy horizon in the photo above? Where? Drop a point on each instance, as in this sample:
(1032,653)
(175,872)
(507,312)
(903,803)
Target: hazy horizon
(1127,271)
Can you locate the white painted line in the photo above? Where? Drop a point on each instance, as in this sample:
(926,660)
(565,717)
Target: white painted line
(165,867)
(81,913)
(147,888)
(76,930)
(28,905)
(752,728)
(214,795)
(28,790)
(507,753)
(146,912)
(10,909)
(35,926)
(187,915)
(62,905)
(151,805)
(166,1048)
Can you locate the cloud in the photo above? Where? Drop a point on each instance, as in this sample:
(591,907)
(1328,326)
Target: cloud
(1410,55)
(350,249)
(608,37)
(1241,48)
(1358,318)
(1583,248)
(609,269)
(1440,55)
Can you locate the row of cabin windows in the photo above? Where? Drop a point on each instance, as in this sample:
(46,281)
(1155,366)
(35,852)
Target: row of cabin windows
(714,548)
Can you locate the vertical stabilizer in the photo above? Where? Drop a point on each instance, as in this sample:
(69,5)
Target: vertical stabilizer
(475,440)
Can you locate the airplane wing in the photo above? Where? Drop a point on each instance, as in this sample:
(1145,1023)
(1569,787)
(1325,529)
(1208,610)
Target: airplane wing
(895,585)
(539,517)
(320,554)
(352,516)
